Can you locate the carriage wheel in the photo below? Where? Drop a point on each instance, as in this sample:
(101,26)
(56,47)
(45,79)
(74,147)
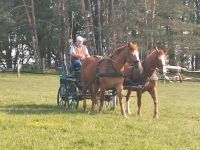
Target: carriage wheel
(62,95)
(114,102)
(72,95)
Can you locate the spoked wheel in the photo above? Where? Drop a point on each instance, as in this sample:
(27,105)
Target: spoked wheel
(114,102)
(72,95)
(113,99)
(62,95)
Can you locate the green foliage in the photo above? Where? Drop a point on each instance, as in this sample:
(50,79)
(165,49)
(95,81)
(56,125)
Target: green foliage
(176,24)
(27,68)
(30,119)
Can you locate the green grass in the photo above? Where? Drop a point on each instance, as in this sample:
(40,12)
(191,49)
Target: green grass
(30,119)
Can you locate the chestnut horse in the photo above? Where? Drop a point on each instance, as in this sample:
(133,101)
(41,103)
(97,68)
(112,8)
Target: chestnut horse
(147,80)
(107,74)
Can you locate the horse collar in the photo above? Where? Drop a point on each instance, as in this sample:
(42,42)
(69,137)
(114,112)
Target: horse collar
(110,70)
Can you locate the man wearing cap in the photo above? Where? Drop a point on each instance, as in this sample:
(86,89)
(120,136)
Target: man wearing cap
(78,53)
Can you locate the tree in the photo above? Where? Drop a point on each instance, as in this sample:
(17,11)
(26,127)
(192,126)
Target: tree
(32,24)
(45,29)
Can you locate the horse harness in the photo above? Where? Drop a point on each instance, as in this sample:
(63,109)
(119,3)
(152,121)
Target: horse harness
(110,70)
(141,83)
(114,72)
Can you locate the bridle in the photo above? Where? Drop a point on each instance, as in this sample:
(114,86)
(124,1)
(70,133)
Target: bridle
(129,57)
(133,63)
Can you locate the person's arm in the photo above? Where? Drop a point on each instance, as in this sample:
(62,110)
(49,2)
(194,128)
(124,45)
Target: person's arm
(86,52)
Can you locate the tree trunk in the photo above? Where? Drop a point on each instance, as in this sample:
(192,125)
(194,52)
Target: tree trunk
(197,11)
(35,37)
(48,60)
(100,50)
(197,61)
(64,29)
(106,2)
(146,25)
(8,52)
(32,24)
(86,15)
(16,56)
(152,23)
(59,53)
(113,40)
(92,35)
(105,22)
(192,62)
(126,21)
(66,22)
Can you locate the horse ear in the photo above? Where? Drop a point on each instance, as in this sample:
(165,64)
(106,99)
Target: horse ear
(157,49)
(132,45)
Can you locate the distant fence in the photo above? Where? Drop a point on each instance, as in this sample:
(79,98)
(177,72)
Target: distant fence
(179,74)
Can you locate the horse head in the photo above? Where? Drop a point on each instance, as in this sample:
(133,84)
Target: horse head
(133,56)
(161,59)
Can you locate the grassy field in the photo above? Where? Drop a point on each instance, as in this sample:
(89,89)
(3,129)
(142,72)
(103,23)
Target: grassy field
(30,119)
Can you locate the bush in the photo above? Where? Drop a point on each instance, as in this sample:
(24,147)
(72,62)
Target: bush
(28,68)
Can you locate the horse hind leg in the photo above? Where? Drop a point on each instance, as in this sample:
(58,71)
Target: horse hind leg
(102,97)
(128,102)
(119,93)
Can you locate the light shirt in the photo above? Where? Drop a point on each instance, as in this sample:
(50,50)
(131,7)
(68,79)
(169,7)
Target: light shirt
(74,47)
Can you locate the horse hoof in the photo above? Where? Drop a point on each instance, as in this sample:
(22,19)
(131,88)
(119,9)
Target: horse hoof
(125,116)
(112,108)
(128,112)
(91,112)
(155,116)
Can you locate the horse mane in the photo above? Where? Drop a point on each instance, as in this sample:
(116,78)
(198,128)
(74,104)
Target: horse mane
(161,52)
(147,57)
(119,50)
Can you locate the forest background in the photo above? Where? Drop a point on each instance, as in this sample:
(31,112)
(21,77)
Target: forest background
(41,31)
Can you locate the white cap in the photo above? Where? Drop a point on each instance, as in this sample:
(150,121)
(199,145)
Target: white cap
(79,38)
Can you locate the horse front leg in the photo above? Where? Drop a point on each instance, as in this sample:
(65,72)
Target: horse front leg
(128,102)
(84,99)
(119,93)
(153,94)
(102,97)
(93,91)
(139,96)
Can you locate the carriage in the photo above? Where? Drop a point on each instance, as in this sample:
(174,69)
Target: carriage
(70,90)
(105,73)
(102,77)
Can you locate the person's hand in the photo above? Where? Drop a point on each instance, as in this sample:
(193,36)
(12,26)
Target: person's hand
(82,57)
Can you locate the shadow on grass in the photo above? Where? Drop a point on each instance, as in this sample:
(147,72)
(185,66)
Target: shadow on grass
(32,109)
